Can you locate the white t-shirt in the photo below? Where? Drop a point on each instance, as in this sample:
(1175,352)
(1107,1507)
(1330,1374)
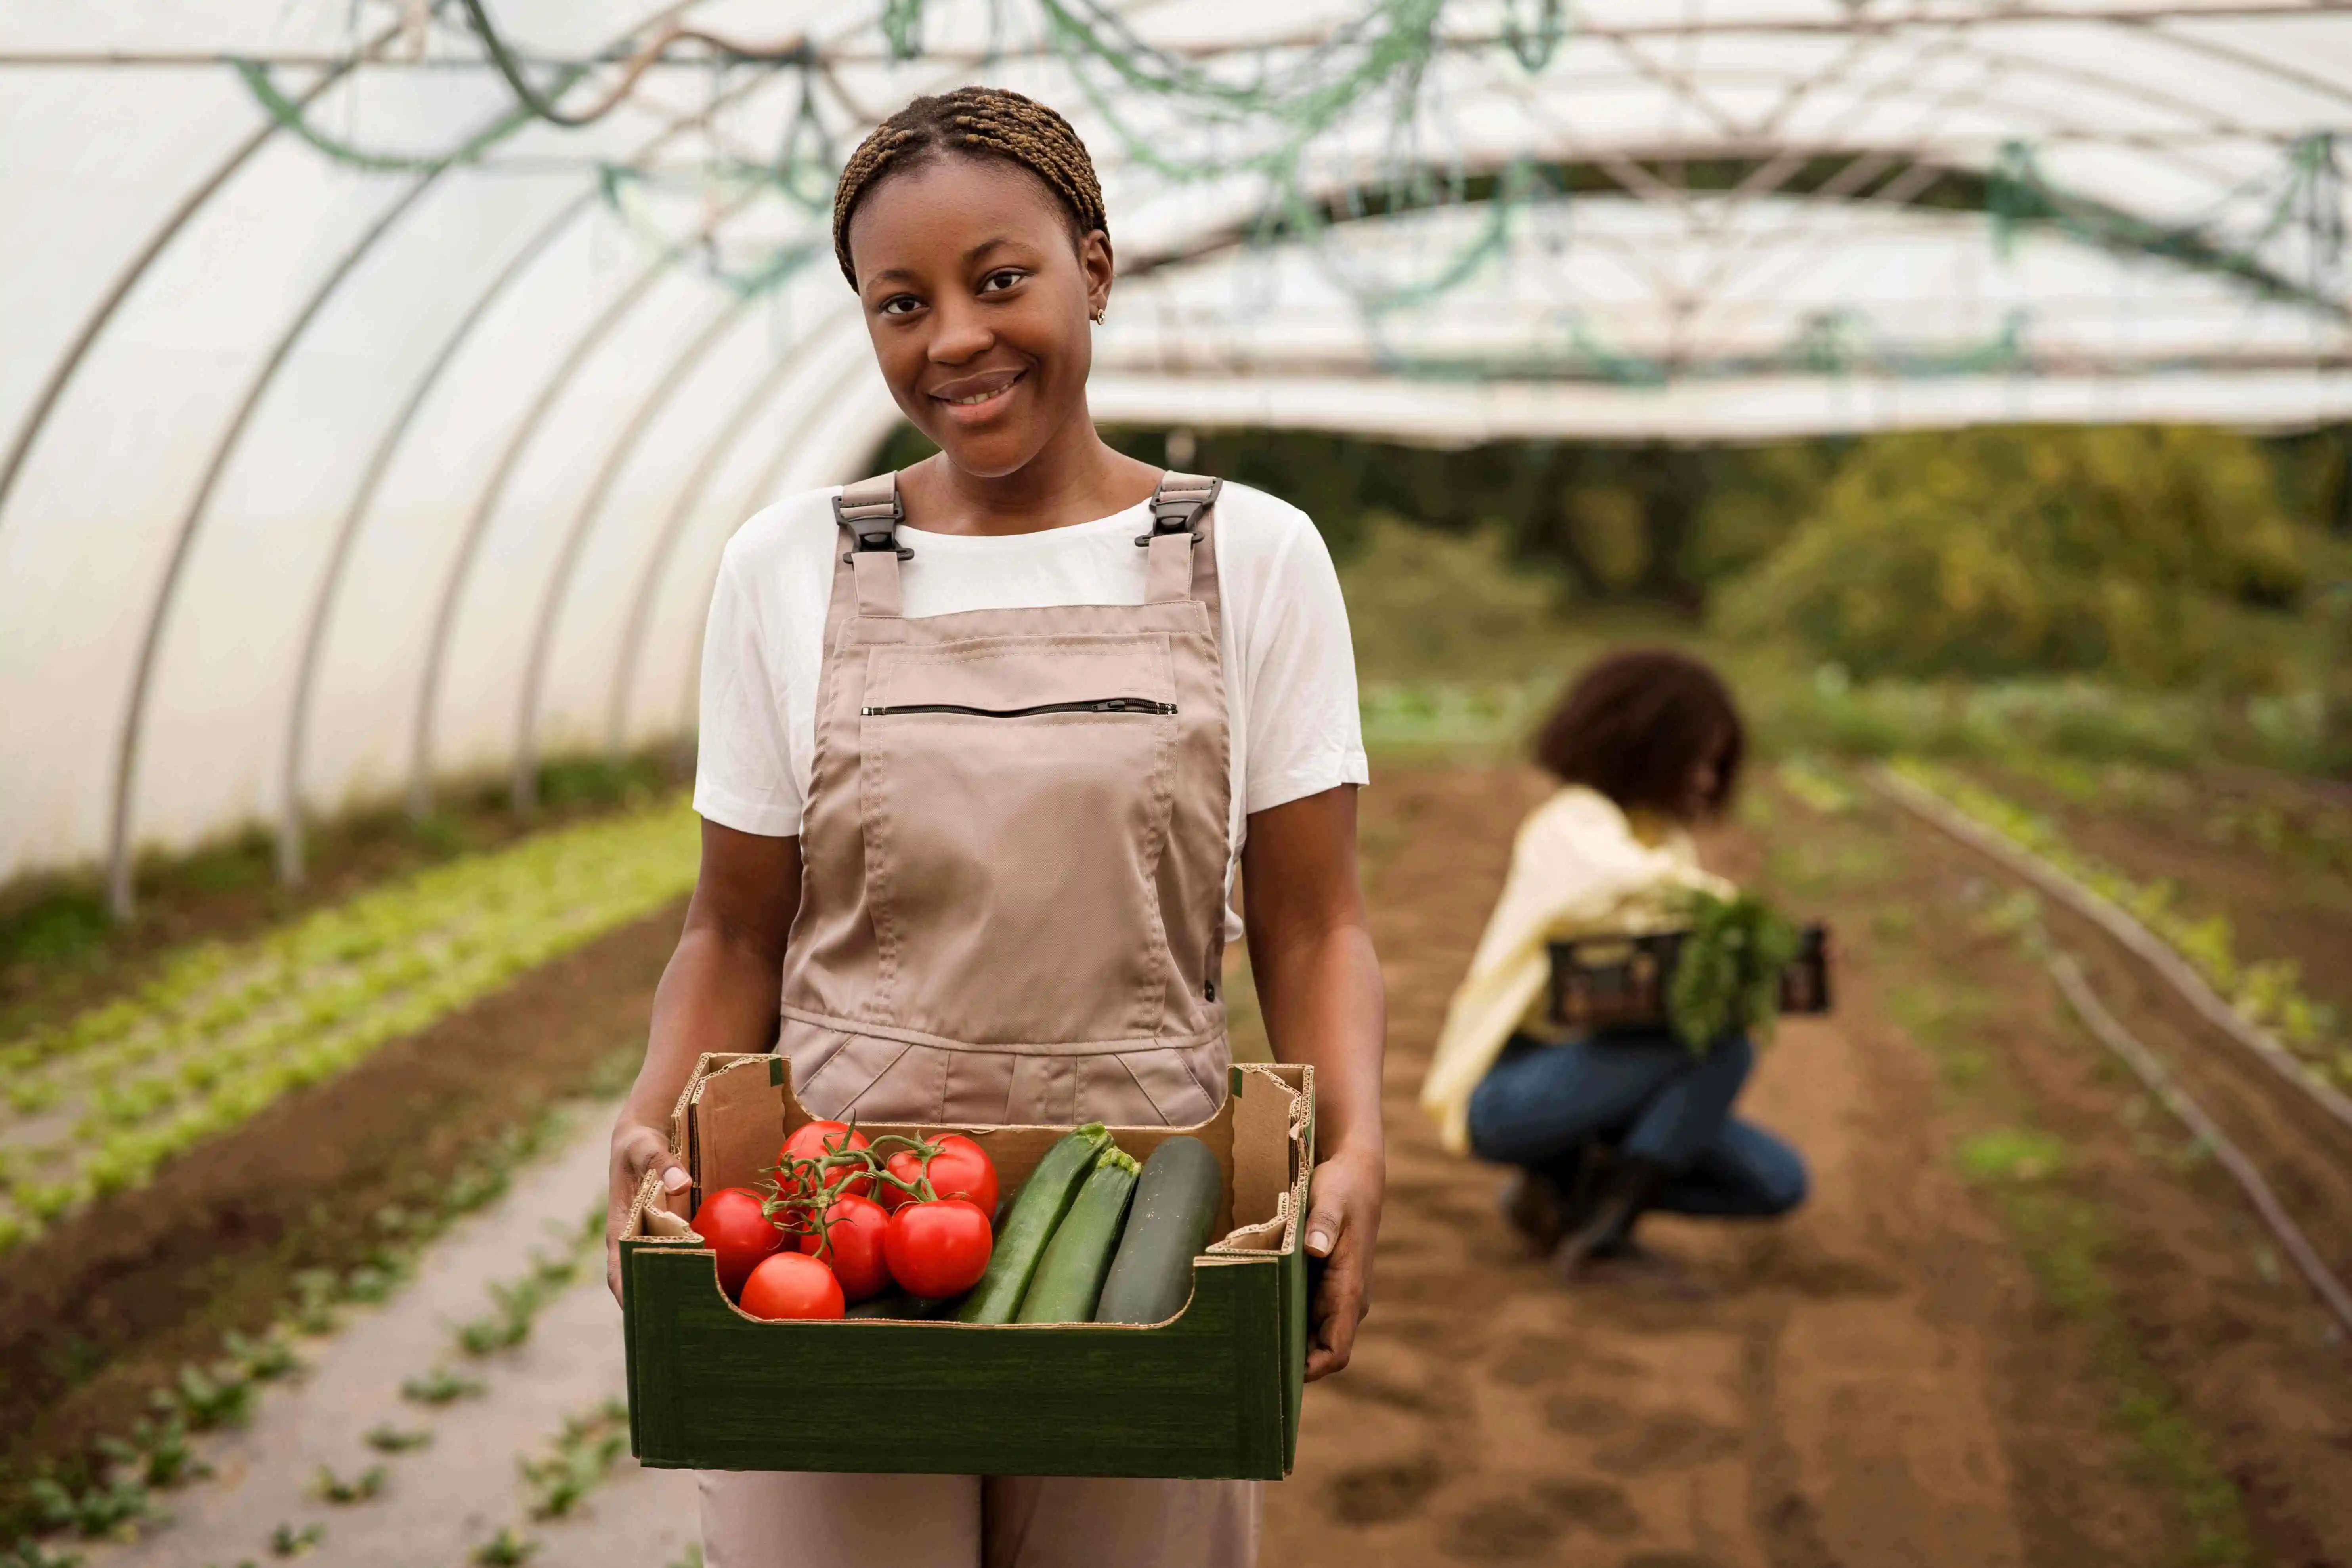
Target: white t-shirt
(1290,671)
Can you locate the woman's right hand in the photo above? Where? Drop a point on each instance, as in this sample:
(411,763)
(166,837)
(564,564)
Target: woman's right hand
(637,1147)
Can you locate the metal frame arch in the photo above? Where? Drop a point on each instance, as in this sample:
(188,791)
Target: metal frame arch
(120,890)
(121,876)
(420,778)
(291,815)
(785,451)
(674,528)
(94,327)
(291,822)
(525,789)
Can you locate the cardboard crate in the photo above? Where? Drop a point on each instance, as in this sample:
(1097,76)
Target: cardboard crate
(1212,1392)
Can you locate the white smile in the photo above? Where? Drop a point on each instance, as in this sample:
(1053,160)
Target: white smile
(977,398)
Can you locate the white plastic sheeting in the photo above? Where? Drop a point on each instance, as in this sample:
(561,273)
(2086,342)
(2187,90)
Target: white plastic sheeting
(341,457)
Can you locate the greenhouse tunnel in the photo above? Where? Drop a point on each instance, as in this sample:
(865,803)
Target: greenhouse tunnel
(382,381)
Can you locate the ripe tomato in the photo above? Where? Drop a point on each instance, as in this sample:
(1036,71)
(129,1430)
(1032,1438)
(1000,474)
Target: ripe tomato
(730,1221)
(962,1169)
(939,1249)
(791,1285)
(813,1140)
(852,1247)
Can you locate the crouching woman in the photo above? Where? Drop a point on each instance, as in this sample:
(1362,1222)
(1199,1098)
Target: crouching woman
(1604,1125)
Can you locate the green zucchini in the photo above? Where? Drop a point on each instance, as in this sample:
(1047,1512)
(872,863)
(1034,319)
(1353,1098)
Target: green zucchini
(1021,1240)
(1175,1204)
(1070,1276)
(895,1303)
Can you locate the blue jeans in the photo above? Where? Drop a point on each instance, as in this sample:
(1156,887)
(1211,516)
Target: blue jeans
(1644,1092)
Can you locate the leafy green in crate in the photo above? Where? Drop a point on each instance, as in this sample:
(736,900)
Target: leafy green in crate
(1727,976)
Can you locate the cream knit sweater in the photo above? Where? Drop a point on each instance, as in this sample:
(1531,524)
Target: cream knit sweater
(1578,868)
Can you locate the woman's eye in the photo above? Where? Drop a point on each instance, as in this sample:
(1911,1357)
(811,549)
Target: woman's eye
(899,305)
(1003,277)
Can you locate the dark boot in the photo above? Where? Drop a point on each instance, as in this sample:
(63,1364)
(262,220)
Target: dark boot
(1625,1190)
(1532,1205)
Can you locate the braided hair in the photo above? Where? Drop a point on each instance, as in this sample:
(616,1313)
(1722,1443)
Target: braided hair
(984,122)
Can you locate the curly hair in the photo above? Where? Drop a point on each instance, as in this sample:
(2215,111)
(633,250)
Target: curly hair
(985,121)
(1637,723)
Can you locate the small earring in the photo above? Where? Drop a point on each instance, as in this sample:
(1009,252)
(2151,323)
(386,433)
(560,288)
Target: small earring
(1102,313)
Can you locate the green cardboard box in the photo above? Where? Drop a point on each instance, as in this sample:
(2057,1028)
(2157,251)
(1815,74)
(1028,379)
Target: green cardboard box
(1212,1392)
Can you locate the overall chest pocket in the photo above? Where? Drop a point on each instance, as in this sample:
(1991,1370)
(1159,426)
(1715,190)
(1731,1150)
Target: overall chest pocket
(1015,798)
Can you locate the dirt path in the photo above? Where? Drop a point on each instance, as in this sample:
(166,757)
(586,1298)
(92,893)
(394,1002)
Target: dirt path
(1854,1387)
(442,1501)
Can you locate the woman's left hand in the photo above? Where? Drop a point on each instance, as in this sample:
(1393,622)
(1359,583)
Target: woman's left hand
(1343,1220)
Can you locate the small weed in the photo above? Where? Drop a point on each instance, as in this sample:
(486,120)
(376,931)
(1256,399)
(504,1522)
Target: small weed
(691,1557)
(264,1360)
(440,1386)
(288,1541)
(390,1439)
(364,1486)
(2012,1155)
(115,1507)
(30,1554)
(157,1453)
(507,1549)
(219,1395)
(582,1453)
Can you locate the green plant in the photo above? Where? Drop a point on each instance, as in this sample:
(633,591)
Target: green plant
(582,1455)
(1726,976)
(288,1541)
(156,1453)
(108,1508)
(219,1395)
(369,1484)
(2158,555)
(441,1386)
(226,1029)
(28,1553)
(2267,992)
(507,1549)
(387,1438)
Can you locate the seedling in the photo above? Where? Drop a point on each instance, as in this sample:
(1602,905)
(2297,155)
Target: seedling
(220,1396)
(157,1453)
(440,1386)
(362,1488)
(390,1439)
(506,1550)
(288,1541)
(581,1456)
(30,1554)
(115,1507)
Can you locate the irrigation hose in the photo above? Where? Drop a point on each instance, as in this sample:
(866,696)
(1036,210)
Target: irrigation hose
(2117,923)
(2150,1072)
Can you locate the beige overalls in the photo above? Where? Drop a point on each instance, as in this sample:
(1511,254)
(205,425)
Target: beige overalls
(1013,898)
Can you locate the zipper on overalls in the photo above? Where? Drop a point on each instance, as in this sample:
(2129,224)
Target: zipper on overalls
(1097,705)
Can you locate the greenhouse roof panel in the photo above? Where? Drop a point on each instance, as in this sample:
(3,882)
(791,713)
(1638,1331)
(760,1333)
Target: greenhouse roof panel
(398,370)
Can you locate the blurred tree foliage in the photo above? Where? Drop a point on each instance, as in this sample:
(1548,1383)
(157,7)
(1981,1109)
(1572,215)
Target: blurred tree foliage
(2155,555)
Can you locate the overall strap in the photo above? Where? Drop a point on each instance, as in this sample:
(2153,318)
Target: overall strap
(1176,508)
(869,511)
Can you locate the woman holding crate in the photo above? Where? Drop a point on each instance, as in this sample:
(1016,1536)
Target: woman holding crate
(983,744)
(1604,1125)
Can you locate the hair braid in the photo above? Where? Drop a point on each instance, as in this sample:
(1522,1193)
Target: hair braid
(986,122)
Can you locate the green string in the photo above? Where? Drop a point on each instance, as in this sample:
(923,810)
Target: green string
(288,114)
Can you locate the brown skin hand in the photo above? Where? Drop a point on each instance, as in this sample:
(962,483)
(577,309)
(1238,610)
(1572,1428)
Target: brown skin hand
(974,288)
(718,994)
(1318,986)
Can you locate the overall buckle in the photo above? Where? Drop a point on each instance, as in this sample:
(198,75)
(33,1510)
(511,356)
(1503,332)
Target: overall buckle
(1176,513)
(862,523)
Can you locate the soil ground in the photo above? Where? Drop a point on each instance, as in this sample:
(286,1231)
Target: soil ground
(1913,1369)
(2018,1323)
